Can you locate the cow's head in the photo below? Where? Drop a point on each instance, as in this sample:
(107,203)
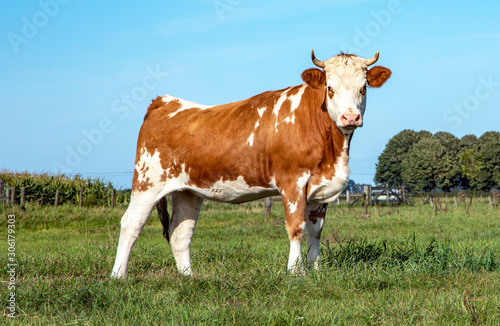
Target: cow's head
(345,78)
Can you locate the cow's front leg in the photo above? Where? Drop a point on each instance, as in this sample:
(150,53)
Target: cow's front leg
(315,219)
(294,202)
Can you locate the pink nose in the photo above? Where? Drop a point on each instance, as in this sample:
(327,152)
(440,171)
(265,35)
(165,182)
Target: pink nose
(351,120)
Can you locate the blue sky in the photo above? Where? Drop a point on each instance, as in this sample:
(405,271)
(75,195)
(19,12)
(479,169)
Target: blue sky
(77,76)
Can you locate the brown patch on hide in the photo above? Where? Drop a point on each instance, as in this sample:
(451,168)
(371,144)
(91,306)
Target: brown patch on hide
(320,212)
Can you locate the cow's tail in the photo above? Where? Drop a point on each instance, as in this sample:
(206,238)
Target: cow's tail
(161,207)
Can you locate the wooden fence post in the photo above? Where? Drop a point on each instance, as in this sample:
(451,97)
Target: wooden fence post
(455,200)
(387,194)
(113,198)
(56,201)
(491,201)
(2,191)
(81,198)
(403,193)
(21,203)
(7,195)
(13,195)
(368,195)
(268,202)
(347,197)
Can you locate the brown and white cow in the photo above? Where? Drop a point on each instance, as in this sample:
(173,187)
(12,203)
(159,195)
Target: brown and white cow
(292,142)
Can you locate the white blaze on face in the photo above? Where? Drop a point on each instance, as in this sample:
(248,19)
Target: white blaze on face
(346,77)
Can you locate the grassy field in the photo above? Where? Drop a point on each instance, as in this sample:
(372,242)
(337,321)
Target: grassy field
(407,265)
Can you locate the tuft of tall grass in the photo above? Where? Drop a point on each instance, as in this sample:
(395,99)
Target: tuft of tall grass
(438,257)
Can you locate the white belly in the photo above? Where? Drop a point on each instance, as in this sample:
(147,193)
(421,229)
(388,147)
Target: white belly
(237,191)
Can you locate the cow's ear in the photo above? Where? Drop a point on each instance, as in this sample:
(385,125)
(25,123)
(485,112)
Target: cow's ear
(377,76)
(314,78)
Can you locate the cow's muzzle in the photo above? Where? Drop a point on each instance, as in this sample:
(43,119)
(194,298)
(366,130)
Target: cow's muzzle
(349,120)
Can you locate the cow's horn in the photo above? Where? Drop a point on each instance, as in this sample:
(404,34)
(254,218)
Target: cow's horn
(371,61)
(317,62)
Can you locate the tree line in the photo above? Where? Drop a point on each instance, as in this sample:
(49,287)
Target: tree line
(426,162)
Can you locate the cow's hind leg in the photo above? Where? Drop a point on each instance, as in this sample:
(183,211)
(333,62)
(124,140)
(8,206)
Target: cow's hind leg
(315,218)
(185,211)
(134,219)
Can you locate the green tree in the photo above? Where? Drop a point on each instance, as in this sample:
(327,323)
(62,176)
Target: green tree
(422,166)
(489,148)
(450,170)
(468,142)
(423,133)
(471,164)
(353,187)
(428,161)
(389,167)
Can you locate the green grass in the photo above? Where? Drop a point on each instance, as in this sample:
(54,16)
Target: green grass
(408,265)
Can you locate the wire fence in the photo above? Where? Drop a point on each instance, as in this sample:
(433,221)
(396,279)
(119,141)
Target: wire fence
(55,190)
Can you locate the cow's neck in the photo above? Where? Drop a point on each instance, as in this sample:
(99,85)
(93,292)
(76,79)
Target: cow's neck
(341,144)
(335,143)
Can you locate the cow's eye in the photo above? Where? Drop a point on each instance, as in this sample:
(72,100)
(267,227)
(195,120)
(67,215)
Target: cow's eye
(330,91)
(363,90)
